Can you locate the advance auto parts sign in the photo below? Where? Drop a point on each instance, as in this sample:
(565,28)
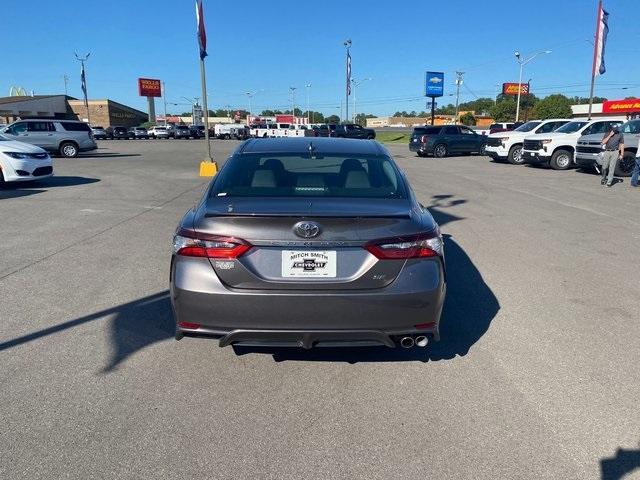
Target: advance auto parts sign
(149,87)
(511,88)
(621,106)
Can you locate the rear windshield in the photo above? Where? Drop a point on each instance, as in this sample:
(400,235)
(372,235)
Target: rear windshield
(75,127)
(426,131)
(571,127)
(494,126)
(527,127)
(295,175)
(182,127)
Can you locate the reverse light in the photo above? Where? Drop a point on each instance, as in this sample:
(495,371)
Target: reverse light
(423,245)
(189,243)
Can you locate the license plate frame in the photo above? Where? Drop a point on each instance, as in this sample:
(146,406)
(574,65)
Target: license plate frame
(309,263)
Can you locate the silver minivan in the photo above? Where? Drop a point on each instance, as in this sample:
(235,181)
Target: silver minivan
(66,137)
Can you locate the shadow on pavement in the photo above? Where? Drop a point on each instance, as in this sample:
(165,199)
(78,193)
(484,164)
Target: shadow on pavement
(624,462)
(135,325)
(108,155)
(469,308)
(23,189)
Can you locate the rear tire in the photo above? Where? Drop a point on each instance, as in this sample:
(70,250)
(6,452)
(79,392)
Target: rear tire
(440,150)
(68,149)
(561,160)
(515,155)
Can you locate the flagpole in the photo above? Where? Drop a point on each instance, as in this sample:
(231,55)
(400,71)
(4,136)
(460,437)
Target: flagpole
(595,59)
(347,44)
(83,77)
(206,109)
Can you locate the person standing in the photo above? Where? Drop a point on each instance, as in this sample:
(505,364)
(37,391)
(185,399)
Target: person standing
(613,144)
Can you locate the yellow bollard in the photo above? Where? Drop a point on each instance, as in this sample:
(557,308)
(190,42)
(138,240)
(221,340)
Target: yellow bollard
(208,169)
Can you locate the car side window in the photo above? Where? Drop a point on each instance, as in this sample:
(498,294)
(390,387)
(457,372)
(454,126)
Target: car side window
(549,127)
(599,127)
(467,131)
(18,128)
(39,126)
(450,131)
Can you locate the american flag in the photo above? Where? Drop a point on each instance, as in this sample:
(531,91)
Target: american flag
(602,30)
(348,73)
(202,35)
(83,85)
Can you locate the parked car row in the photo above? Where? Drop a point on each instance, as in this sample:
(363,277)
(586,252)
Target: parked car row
(159,131)
(559,143)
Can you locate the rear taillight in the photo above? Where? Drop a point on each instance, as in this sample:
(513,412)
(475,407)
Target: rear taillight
(423,245)
(189,243)
(423,139)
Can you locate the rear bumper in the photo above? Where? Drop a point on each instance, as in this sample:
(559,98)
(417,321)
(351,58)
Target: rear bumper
(535,158)
(307,317)
(421,147)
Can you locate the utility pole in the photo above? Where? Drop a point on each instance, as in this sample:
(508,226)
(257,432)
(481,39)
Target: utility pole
(65,78)
(459,81)
(347,45)
(355,86)
(293,104)
(308,86)
(83,82)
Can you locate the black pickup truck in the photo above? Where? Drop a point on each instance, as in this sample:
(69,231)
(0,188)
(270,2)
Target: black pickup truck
(345,130)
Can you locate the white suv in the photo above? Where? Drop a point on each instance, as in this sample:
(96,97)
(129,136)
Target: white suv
(508,145)
(557,149)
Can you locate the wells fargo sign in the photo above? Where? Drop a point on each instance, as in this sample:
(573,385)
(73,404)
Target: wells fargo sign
(149,87)
(621,106)
(512,88)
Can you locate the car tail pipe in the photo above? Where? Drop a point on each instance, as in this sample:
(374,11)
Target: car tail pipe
(417,341)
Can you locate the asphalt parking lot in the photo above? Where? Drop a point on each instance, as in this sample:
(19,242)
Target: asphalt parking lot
(536,376)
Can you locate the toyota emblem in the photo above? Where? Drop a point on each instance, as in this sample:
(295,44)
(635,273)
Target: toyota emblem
(306,229)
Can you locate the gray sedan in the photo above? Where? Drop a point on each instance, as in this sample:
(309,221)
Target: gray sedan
(309,242)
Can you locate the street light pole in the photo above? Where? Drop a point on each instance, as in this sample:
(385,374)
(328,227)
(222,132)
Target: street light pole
(522,63)
(459,81)
(293,104)
(356,84)
(250,95)
(308,86)
(164,98)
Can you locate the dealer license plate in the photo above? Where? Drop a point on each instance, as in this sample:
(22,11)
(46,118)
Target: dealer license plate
(311,263)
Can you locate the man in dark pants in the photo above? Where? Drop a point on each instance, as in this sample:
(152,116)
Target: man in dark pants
(636,171)
(613,144)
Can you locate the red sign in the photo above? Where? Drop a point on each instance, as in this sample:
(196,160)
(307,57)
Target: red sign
(621,106)
(148,87)
(512,88)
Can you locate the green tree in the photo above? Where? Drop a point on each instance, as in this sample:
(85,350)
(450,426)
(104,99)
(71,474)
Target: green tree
(504,110)
(553,106)
(332,119)
(481,105)
(468,119)
(446,110)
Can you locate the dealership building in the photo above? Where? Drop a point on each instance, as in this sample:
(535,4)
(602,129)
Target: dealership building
(105,113)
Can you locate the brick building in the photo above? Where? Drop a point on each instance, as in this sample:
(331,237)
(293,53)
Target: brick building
(108,113)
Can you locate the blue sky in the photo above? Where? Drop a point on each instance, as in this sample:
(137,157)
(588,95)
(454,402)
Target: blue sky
(268,47)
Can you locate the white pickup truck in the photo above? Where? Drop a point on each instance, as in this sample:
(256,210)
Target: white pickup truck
(508,145)
(275,130)
(557,149)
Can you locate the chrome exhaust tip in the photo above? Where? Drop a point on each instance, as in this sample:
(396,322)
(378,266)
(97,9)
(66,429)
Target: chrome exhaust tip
(406,342)
(422,341)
